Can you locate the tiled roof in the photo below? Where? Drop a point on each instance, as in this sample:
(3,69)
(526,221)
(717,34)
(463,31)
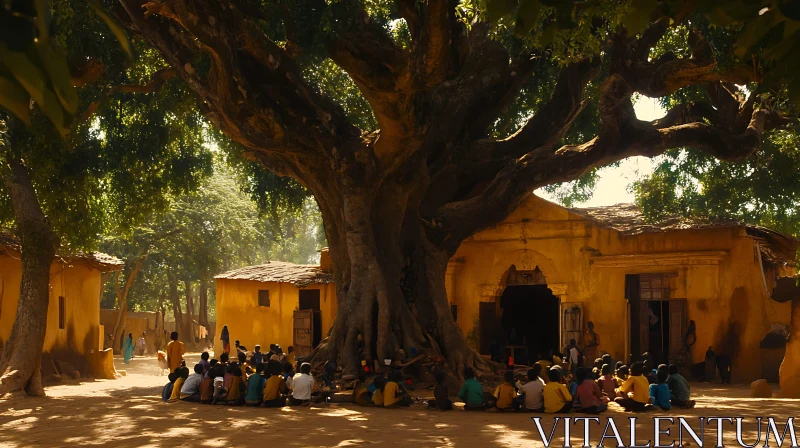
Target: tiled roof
(10,245)
(278,271)
(629,220)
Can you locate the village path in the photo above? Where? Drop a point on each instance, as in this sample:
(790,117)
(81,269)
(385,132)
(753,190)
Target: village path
(128,412)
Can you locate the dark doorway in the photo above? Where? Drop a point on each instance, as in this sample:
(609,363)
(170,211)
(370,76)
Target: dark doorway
(530,317)
(309,300)
(659,330)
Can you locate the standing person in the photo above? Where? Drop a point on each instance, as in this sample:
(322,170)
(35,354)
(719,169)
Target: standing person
(574,355)
(127,349)
(141,344)
(175,352)
(225,337)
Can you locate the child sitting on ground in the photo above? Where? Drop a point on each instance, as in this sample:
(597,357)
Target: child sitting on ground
(191,386)
(303,385)
(557,398)
(659,393)
(679,388)
(219,384)
(255,387)
(290,356)
(204,362)
(183,373)
(167,391)
(394,394)
(245,368)
(236,391)
(361,395)
(376,388)
(207,385)
(621,376)
(506,393)
(471,392)
(544,368)
(650,373)
(275,389)
(607,383)
(532,390)
(634,395)
(589,395)
(440,401)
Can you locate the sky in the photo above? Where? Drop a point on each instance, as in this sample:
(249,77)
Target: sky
(613,182)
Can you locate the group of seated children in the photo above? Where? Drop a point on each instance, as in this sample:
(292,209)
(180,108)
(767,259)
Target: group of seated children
(388,393)
(269,383)
(587,391)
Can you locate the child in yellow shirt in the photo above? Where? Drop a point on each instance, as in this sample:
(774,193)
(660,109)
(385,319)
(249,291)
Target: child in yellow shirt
(634,395)
(557,399)
(506,393)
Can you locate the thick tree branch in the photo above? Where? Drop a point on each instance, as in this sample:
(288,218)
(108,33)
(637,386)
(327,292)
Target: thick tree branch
(253,91)
(458,220)
(158,80)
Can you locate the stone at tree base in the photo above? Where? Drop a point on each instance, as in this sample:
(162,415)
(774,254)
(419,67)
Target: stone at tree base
(760,389)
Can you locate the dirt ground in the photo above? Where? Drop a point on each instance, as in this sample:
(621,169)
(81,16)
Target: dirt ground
(128,412)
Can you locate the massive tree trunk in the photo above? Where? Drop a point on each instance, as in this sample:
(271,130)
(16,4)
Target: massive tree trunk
(397,203)
(20,365)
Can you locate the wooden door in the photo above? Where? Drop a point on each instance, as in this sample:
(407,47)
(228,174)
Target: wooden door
(303,339)
(677,326)
(487,320)
(571,323)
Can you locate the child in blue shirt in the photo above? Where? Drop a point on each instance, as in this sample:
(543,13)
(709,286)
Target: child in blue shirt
(659,393)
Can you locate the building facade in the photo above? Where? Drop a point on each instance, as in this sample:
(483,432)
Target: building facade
(73,332)
(276,303)
(673,289)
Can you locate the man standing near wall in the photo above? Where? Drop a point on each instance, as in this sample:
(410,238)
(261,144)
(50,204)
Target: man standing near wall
(141,344)
(175,352)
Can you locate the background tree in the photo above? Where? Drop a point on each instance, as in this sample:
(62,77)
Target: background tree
(90,177)
(236,217)
(474,107)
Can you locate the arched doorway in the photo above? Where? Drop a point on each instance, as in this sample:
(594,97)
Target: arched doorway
(524,318)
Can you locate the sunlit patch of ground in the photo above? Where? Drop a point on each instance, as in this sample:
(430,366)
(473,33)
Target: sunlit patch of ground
(128,412)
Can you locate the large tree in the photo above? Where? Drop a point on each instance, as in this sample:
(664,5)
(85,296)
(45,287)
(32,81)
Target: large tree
(469,110)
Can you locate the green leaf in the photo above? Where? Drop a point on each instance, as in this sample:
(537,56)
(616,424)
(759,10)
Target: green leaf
(754,31)
(52,109)
(43,19)
(14,98)
(640,14)
(25,71)
(56,65)
(112,24)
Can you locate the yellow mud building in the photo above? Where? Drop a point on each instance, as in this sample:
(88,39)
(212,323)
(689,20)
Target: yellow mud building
(673,289)
(73,333)
(277,303)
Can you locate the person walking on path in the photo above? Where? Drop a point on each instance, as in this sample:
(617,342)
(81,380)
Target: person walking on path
(141,344)
(127,349)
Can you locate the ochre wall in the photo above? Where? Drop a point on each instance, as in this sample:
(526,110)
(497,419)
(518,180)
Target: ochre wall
(717,271)
(237,307)
(80,286)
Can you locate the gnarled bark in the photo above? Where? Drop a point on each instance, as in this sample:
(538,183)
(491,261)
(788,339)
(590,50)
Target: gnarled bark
(20,365)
